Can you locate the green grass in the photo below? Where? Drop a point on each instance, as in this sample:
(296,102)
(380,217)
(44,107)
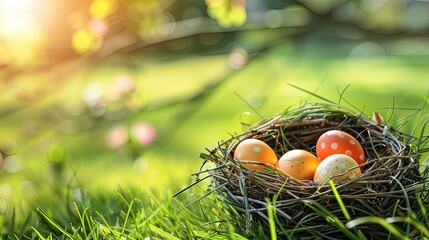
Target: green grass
(147,215)
(95,192)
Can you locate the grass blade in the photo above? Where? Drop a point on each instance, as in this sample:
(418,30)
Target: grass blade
(339,200)
(407,201)
(423,210)
(249,105)
(53,223)
(310,93)
(107,230)
(81,218)
(162,233)
(382,222)
(331,218)
(24,227)
(206,194)
(421,227)
(126,218)
(271,222)
(38,234)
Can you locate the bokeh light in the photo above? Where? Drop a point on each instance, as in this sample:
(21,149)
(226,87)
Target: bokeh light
(121,87)
(21,30)
(5,190)
(140,165)
(237,58)
(13,164)
(85,41)
(98,26)
(3,205)
(364,52)
(100,9)
(117,136)
(144,133)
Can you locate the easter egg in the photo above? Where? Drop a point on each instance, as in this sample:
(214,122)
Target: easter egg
(339,166)
(339,142)
(255,150)
(299,164)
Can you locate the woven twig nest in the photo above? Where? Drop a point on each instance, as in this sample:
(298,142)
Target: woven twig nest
(391,184)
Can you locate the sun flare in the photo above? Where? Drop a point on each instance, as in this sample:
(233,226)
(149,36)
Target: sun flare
(20,30)
(10,5)
(16,18)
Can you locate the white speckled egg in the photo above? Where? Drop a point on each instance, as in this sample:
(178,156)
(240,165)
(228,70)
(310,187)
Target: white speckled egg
(339,142)
(337,164)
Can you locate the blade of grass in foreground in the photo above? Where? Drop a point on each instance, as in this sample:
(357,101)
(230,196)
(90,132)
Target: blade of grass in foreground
(207,194)
(342,206)
(127,218)
(108,230)
(23,228)
(54,224)
(331,218)
(162,233)
(421,227)
(383,222)
(39,234)
(309,92)
(423,209)
(270,211)
(339,200)
(82,217)
(206,235)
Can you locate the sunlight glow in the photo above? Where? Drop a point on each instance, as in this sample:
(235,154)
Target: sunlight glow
(16,6)
(16,17)
(20,30)
(11,10)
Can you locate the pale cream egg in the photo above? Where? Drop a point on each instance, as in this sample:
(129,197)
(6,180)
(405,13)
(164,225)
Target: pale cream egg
(339,167)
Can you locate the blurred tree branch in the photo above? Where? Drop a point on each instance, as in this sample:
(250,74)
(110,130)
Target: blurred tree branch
(121,39)
(193,102)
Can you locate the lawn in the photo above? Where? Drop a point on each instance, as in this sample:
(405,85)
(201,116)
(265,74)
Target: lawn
(61,180)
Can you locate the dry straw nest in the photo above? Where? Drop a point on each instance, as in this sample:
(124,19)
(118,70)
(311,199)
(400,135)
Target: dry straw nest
(391,185)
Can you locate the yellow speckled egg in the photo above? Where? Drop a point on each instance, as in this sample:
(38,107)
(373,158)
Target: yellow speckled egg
(257,151)
(337,164)
(299,164)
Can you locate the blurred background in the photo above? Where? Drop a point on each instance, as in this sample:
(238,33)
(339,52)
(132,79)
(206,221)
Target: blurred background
(104,94)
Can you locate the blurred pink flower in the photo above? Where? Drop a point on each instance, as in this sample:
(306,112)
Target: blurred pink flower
(144,133)
(125,84)
(99,26)
(122,86)
(238,58)
(117,136)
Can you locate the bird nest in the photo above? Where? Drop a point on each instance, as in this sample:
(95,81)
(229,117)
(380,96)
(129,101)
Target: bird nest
(391,186)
